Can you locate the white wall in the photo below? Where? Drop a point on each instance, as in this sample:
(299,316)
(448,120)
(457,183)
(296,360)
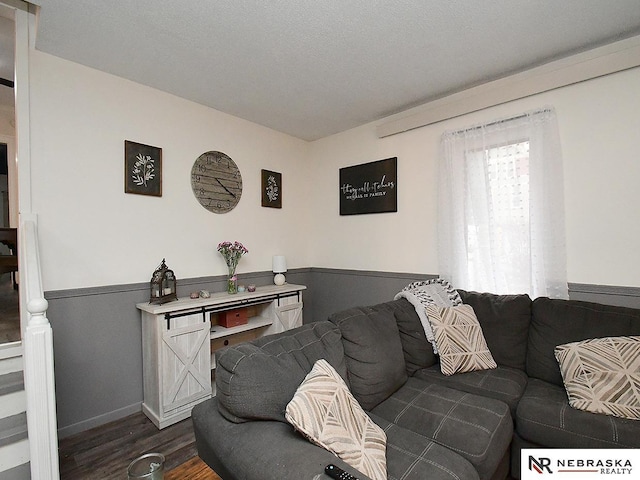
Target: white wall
(599,122)
(93,234)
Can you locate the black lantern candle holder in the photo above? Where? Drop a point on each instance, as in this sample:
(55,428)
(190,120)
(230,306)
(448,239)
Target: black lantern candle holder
(163,285)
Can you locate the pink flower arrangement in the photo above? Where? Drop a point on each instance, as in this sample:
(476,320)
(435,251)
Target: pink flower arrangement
(232,252)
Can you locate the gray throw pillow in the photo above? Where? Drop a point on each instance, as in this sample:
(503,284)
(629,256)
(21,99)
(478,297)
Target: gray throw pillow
(256,380)
(556,322)
(418,352)
(373,353)
(505,323)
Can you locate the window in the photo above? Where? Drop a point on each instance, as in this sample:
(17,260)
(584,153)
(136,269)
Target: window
(501,221)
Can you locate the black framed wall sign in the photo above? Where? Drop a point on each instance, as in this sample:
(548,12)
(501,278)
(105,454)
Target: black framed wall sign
(369,188)
(271,189)
(142,169)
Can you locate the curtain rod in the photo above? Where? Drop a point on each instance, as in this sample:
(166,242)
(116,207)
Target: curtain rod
(502,120)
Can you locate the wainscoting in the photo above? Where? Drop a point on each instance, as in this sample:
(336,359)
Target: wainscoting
(98,343)
(609,295)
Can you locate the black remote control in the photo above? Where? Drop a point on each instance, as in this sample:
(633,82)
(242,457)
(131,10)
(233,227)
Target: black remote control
(338,473)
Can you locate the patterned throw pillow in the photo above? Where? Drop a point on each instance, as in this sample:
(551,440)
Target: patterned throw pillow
(324,410)
(461,344)
(602,375)
(436,291)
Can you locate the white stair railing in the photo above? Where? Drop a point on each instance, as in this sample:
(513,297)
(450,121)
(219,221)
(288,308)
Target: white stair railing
(37,339)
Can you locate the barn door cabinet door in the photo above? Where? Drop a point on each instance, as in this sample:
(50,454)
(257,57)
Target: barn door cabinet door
(185,354)
(176,365)
(288,313)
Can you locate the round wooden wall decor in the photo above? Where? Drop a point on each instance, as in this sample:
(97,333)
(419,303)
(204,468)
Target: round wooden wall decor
(216,182)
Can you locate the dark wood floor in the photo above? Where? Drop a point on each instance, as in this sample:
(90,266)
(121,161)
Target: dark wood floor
(105,452)
(9,311)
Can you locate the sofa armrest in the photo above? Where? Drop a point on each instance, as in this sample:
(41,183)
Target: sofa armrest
(241,450)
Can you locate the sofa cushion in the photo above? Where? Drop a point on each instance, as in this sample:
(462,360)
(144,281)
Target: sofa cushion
(544,417)
(324,411)
(477,428)
(556,322)
(256,380)
(253,450)
(461,344)
(373,353)
(413,456)
(505,322)
(502,383)
(418,352)
(602,375)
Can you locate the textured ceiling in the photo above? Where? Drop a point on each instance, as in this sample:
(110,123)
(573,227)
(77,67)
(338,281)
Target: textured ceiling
(311,68)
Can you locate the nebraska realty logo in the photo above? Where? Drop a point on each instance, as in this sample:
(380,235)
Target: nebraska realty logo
(576,464)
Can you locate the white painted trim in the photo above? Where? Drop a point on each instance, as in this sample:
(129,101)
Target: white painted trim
(37,340)
(12,364)
(25,24)
(16,4)
(13,403)
(598,62)
(41,446)
(37,335)
(14,455)
(99,420)
(11,350)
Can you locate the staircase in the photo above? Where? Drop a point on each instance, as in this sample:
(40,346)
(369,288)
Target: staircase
(14,444)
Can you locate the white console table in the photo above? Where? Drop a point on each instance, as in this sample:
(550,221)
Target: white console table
(179,340)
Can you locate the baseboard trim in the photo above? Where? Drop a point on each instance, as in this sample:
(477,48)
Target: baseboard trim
(99,420)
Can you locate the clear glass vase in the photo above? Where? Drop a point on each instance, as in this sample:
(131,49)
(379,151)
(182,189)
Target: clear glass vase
(232,282)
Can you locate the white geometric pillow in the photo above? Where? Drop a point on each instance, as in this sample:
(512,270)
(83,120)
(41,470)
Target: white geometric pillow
(324,410)
(461,344)
(429,292)
(602,375)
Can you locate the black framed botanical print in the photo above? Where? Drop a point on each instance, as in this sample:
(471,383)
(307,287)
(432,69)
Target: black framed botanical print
(271,189)
(142,169)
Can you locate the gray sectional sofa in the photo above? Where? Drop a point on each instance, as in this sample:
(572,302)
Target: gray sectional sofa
(466,426)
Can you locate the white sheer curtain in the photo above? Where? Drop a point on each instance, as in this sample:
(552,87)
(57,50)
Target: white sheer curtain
(501,207)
